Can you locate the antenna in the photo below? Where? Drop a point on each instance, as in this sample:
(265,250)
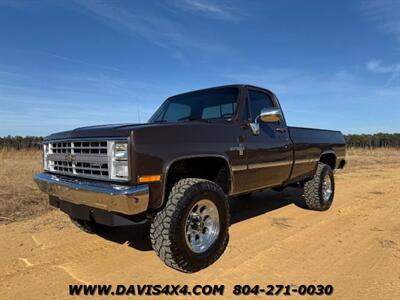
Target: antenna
(138,112)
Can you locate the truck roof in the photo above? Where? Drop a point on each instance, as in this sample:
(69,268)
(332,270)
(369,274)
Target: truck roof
(238,85)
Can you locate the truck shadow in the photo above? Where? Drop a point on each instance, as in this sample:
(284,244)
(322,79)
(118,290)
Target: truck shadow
(241,209)
(137,236)
(263,202)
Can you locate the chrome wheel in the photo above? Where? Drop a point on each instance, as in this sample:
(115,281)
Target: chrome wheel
(326,188)
(202,226)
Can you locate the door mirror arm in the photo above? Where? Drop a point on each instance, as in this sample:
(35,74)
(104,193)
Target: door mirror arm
(255,128)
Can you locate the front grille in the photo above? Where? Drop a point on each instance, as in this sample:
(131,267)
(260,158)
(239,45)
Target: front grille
(87,159)
(88,147)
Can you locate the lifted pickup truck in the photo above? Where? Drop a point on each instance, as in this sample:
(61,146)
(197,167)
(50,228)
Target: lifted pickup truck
(180,169)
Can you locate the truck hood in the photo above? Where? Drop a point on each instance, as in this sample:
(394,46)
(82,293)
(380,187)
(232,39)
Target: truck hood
(115,130)
(111,130)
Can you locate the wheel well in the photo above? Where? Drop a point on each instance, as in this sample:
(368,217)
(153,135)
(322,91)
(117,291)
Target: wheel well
(342,164)
(215,169)
(329,159)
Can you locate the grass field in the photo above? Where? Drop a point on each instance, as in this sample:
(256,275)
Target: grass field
(20,197)
(354,246)
(364,158)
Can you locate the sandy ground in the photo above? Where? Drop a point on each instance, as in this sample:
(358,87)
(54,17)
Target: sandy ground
(355,246)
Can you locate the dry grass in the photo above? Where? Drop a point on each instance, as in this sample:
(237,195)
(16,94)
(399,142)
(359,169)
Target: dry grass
(363,158)
(20,197)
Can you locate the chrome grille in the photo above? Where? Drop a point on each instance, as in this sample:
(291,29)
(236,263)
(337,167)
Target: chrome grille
(87,159)
(88,147)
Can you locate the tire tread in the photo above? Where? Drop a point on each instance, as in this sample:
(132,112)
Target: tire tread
(163,238)
(312,189)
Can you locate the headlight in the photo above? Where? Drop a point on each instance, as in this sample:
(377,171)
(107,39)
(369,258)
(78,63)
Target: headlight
(119,160)
(121,151)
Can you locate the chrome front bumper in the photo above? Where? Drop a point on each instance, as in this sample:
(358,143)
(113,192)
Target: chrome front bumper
(128,200)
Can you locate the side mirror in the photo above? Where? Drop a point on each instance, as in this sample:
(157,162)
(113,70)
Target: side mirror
(267,115)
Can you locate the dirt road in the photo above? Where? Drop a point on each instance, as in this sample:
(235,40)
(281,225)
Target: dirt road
(355,246)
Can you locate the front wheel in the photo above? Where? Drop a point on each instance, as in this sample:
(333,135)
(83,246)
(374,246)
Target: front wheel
(319,191)
(191,232)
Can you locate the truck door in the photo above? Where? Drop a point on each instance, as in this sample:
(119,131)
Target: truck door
(269,155)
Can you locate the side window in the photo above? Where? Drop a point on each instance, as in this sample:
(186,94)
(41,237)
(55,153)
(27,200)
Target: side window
(258,101)
(177,111)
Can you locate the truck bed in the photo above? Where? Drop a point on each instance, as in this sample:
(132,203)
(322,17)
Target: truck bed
(301,135)
(308,146)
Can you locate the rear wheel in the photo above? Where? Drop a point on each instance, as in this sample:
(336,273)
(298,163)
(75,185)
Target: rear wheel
(191,232)
(319,191)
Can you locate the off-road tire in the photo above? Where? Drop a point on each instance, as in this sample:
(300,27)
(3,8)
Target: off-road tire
(312,193)
(167,230)
(89,226)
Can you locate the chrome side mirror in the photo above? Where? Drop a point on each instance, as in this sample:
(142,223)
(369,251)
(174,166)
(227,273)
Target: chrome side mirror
(267,115)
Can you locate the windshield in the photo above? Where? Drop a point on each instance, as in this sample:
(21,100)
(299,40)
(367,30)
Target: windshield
(219,103)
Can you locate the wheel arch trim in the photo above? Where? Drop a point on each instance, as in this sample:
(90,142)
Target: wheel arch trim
(329,152)
(170,162)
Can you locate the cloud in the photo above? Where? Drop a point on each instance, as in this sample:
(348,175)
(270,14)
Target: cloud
(68,100)
(55,56)
(160,29)
(386,13)
(299,84)
(214,10)
(78,61)
(13,3)
(153,27)
(156,29)
(337,99)
(376,66)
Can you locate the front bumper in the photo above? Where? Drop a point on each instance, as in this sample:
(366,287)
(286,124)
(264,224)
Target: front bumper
(128,200)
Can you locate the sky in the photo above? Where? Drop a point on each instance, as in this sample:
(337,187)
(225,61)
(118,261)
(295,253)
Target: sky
(68,64)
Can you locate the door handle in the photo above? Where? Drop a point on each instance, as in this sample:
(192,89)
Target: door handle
(281,130)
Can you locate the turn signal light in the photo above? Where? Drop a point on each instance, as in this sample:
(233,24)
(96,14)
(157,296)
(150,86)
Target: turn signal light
(149,178)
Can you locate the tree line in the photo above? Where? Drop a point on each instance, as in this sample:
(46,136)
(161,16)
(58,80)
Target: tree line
(376,140)
(21,142)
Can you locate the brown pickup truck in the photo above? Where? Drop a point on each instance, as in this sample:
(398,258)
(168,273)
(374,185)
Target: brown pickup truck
(179,170)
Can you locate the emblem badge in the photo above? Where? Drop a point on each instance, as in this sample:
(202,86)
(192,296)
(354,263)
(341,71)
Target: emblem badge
(240,148)
(70,157)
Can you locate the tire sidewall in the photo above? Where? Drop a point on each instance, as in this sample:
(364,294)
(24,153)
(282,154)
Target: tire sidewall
(326,170)
(192,196)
